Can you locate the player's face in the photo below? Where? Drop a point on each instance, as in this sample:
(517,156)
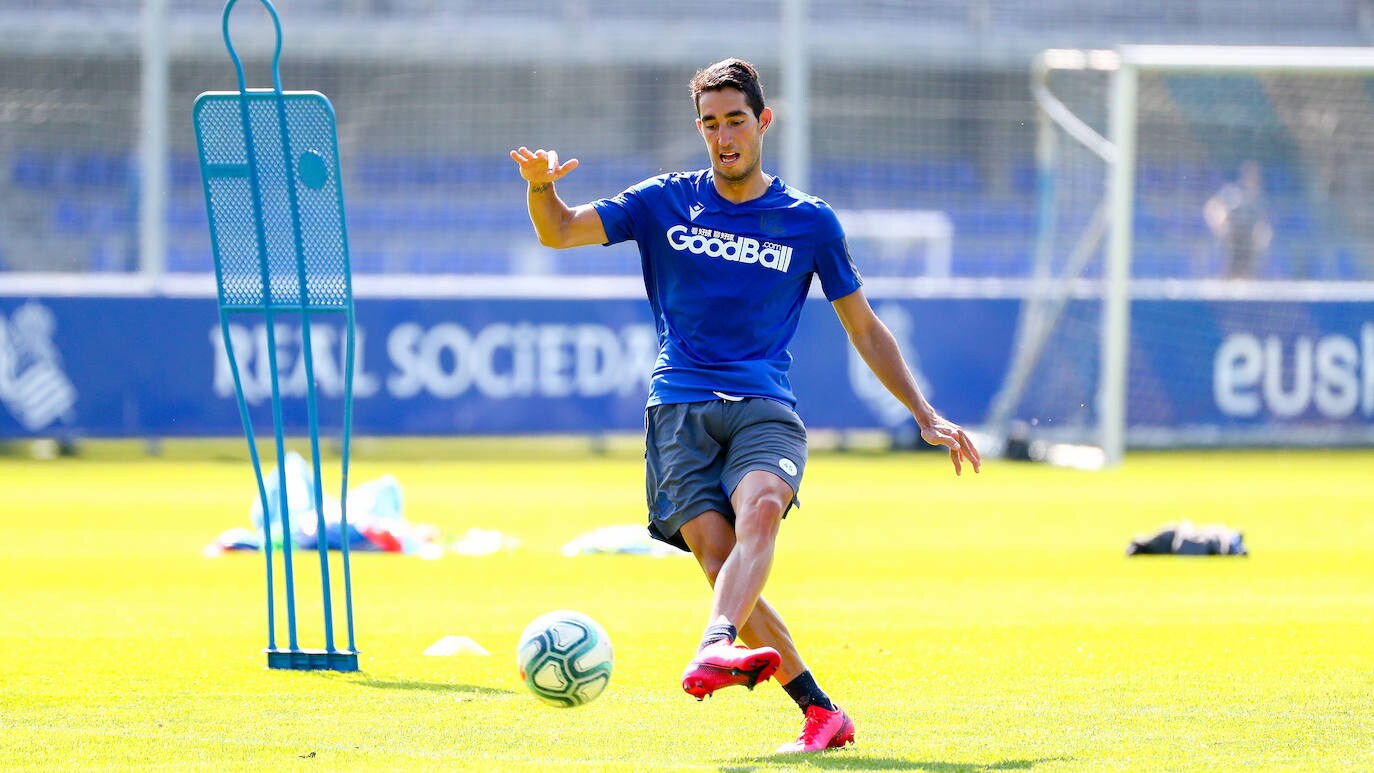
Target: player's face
(734,137)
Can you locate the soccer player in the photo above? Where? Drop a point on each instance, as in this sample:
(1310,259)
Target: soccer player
(728,254)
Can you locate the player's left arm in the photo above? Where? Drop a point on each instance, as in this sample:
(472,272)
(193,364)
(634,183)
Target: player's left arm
(876,344)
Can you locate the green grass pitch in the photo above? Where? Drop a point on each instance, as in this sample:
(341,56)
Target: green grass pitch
(982,623)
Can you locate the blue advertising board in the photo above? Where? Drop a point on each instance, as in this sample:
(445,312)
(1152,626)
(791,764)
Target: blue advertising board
(1244,364)
(119,366)
(127,366)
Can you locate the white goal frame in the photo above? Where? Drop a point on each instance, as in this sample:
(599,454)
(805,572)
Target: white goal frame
(1118,150)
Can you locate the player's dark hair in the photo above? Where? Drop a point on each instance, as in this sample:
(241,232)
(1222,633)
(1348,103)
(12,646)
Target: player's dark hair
(729,74)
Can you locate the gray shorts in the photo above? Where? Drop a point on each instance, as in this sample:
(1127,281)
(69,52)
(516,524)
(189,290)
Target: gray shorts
(697,453)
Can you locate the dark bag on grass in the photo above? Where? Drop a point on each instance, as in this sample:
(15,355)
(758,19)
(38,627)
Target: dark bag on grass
(1185,539)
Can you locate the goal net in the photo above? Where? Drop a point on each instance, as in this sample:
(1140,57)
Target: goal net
(1203,255)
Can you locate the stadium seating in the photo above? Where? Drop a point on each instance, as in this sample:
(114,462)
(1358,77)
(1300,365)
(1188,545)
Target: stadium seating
(1211,18)
(411,209)
(466,214)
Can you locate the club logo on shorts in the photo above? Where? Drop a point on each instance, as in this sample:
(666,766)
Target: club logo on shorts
(788,466)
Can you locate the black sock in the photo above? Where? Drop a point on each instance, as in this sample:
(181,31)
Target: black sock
(806,692)
(719,632)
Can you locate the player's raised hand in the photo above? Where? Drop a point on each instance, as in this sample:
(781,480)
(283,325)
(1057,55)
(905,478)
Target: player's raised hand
(943,432)
(541,166)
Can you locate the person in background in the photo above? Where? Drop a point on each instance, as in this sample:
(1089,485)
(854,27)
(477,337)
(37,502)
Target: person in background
(1239,219)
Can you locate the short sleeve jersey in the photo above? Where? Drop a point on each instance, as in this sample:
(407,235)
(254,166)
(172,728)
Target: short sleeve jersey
(727,281)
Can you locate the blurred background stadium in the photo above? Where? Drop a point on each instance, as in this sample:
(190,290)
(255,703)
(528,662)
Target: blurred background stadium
(917,120)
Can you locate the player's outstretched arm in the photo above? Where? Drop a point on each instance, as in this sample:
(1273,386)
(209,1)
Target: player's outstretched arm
(556,224)
(875,344)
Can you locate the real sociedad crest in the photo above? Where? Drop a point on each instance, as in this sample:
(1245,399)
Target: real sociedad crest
(33,387)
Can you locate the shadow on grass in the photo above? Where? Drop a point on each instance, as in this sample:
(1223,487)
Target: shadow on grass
(438,687)
(850,760)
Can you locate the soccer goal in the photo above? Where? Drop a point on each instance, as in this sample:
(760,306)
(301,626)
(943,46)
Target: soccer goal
(1204,253)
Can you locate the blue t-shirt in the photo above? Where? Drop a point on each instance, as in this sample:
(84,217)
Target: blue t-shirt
(726,281)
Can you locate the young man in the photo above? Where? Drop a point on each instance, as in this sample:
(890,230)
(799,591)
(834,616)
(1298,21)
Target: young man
(728,254)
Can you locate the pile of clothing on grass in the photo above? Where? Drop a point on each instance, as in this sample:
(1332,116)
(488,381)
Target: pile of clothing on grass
(1185,539)
(376,519)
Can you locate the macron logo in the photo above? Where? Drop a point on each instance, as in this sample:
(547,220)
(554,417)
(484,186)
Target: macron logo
(695,209)
(719,244)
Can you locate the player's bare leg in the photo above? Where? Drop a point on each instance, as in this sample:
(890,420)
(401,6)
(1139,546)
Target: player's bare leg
(712,539)
(718,662)
(765,628)
(760,501)
(715,543)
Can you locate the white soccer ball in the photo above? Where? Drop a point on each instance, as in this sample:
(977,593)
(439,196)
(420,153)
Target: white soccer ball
(564,658)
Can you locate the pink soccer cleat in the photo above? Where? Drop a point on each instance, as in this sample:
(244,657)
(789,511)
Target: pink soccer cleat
(822,730)
(722,665)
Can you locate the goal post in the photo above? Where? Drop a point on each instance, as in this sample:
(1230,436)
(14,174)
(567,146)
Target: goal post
(1133,146)
(1116,318)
